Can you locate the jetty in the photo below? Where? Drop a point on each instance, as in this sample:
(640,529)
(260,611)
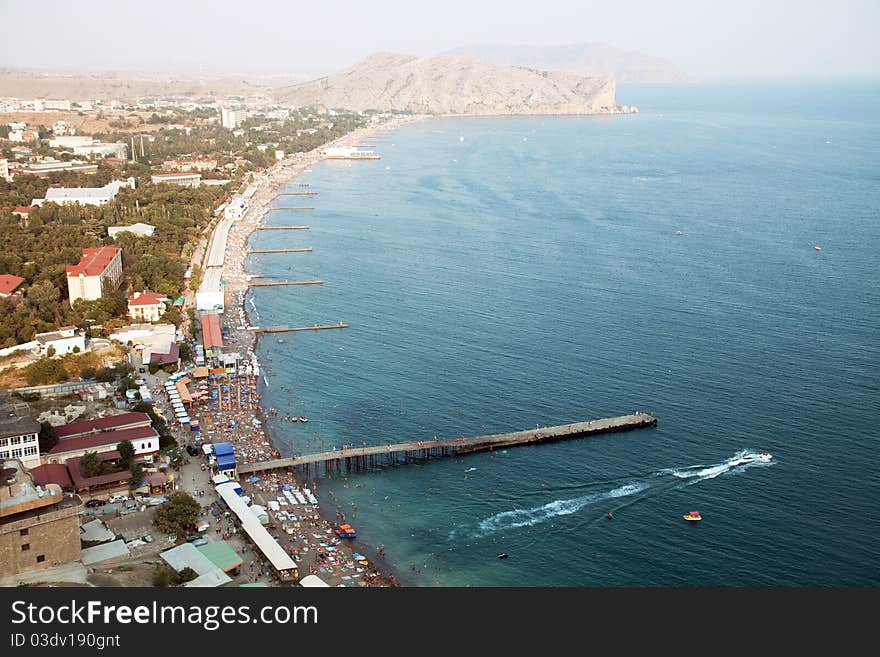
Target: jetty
(365,457)
(282,228)
(290,207)
(307,249)
(296,194)
(271,283)
(288,329)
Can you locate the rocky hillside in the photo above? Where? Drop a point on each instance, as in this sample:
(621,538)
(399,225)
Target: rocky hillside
(453,85)
(583,59)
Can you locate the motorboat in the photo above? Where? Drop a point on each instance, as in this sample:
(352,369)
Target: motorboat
(692,516)
(610,516)
(817,247)
(503,555)
(763,456)
(303,418)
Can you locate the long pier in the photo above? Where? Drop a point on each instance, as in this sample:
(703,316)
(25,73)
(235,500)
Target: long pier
(296,194)
(289,207)
(271,283)
(282,228)
(288,329)
(307,249)
(358,457)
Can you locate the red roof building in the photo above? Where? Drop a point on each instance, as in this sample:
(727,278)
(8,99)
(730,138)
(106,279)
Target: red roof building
(24,210)
(144,439)
(85,280)
(147,306)
(8,283)
(51,473)
(212,337)
(109,423)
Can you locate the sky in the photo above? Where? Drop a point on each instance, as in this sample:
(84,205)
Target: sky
(708,38)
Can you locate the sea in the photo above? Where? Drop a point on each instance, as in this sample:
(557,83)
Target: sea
(500,274)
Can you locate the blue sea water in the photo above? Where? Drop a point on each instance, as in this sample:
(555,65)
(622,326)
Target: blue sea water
(502,273)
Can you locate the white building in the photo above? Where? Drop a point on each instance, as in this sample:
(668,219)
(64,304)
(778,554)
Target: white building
(84,195)
(147,306)
(84,145)
(236,208)
(4,169)
(232,118)
(19,438)
(210,296)
(66,340)
(85,280)
(139,229)
(182,179)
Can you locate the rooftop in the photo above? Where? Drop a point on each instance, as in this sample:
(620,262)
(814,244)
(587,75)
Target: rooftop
(93,262)
(211,335)
(146,298)
(109,423)
(17,425)
(8,282)
(101,439)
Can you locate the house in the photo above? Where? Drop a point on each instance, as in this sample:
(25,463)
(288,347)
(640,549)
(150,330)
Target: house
(19,436)
(39,524)
(139,229)
(166,358)
(147,306)
(147,338)
(8,284)
(182,179)
(66,340)
(84,195)
(86,279)
(4,169)
(103,435)
(212,337)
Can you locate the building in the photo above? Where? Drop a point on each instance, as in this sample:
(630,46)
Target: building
(103,435)
(66,340)
(19,436)
(199,164)
(86,279)
(212,336)
(183,179)
(236,208)
(44,168)
(56,104)
(84,145)
(147,306)
(4,169)
(211,293)
(139,229)
(85,195)
(147,339)
(23,213)
(39,525)
(23,136)
(232,118)
(8,284)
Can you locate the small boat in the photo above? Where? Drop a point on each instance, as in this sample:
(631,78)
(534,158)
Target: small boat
(817,247)
(679,232)
(763,456)
(503,555)
(303,418)
(692,516)
(610,516)
(346,531)
(294,419)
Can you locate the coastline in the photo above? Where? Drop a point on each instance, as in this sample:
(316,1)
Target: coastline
(307,549)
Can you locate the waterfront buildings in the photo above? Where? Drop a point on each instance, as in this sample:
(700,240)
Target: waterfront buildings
(86,279)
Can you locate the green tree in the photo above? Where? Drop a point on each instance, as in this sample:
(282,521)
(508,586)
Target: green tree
(126,453)
(50,352)
(187,575)
(163,576)
(91,465)
(177,515)
(45,371)
(137,474)
(48,437)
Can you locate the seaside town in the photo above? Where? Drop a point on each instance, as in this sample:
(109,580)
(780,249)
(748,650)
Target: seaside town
(129,381)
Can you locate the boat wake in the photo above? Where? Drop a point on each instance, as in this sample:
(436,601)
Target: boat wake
(680,477)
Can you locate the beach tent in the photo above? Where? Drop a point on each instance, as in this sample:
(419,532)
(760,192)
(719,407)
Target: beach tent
(223,448)
(313,581)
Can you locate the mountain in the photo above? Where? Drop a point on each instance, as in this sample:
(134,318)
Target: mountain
(453,85)
(583,59)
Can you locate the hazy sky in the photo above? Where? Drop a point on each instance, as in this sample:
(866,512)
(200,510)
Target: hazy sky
(705,38)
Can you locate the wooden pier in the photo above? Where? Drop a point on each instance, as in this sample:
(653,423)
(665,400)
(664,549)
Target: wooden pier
(270,283)
(288,329)
(282,228)
(360,457)
(307,249)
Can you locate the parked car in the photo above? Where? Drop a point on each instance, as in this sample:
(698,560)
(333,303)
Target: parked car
(142,370)
(117,498)
(192,537)
(95,503)
(156,501)
(201,541)
(192,450)
(130,504)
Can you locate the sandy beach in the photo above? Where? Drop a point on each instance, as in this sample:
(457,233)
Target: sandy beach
(310,538)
